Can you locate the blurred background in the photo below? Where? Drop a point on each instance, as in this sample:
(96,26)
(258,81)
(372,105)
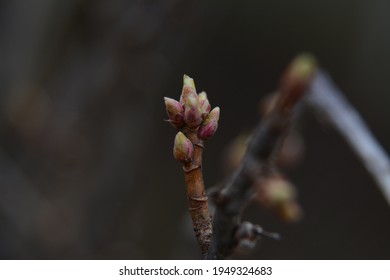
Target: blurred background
(86,165)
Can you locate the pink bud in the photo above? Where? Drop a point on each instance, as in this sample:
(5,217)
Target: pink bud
(209,125)
(192,113)
(189,89)
(204,104)
(175,112)
(183,149)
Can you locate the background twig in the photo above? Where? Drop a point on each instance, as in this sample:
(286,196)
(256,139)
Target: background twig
(258,161)
(329,101)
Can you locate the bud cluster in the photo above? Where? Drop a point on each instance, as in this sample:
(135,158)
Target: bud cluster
(192,111)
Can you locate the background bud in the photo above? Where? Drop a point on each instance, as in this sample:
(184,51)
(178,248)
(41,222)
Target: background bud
(278,194)
(192,114)
(175,112)
(183,149)
(275,190)
(209,125)
(296,79)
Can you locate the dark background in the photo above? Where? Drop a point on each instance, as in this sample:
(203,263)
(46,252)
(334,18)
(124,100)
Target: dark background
(86,166)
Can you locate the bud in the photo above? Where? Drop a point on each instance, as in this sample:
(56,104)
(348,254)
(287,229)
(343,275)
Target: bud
(175,112)
(296,79)
(204,104)
(189,89)
(192,114)
(209,125)
(278,190)
(183,149)
(302,67)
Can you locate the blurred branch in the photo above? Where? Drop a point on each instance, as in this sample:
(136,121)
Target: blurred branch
(259,158)
(326,99)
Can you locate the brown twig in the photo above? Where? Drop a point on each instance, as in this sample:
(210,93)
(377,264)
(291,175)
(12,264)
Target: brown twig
(196,122)
(197,199)
(325,98)
(258,160)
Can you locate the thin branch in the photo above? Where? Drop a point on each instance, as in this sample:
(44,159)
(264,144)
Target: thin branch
(258,160)
(196,122)
(197,199)
(327,99)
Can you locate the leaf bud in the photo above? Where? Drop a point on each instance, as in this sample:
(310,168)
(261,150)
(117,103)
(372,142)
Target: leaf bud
(183,149)
(175,112)
(209,125)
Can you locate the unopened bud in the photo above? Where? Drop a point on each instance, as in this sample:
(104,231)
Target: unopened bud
(175,112)
(183,149)
(302,68)
(204,104)
(274,191)
(192,114)
(209,125)
(296,79)
(188,91)
(279,191)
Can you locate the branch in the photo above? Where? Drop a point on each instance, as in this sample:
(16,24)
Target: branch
(258,160)
(196,123)
(327,99)
(197,198)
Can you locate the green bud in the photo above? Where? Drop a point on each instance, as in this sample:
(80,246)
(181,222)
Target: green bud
(183,149)
(302,68)
(278,190)
(296,79)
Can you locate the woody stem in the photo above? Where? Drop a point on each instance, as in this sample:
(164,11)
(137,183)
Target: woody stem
(197,199)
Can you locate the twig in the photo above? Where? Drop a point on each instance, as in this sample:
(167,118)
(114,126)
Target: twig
(327,99)
(196,123)
(258,160)
(197,199)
